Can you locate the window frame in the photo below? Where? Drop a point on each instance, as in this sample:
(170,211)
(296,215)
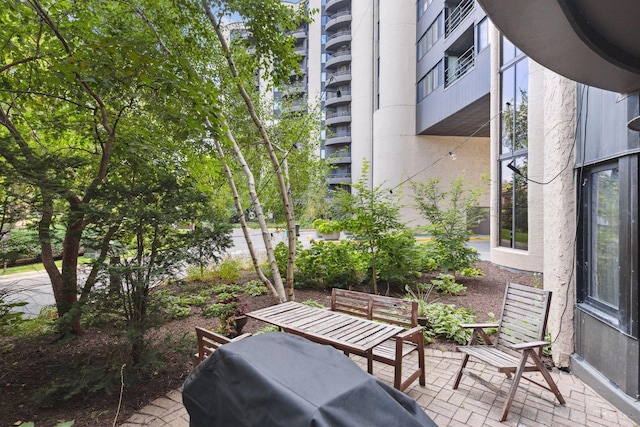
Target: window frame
(515,154)
(625,317)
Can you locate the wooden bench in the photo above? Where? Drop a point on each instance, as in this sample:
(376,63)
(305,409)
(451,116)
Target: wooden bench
(208,342)
(394,311)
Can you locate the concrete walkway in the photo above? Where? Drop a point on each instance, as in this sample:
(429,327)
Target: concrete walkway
(471,405)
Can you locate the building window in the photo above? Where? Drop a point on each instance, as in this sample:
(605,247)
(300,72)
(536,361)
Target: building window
(423,5)
(604,232)
(482,35)
(430,37)
(430,81)
(606,287)
(513,200)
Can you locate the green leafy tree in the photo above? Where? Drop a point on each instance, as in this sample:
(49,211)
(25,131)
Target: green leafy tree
(451,216)
(84,85)
(373,216)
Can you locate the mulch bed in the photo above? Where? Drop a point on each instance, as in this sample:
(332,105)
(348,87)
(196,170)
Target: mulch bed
(31,366)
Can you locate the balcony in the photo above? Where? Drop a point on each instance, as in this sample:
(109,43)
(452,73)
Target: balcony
(457,16)
(341,57)
(338,39)
(339,157)
(338,77)
(459,67)
(337,117)
(338,21)
(339,178)
(301,50)
(338,97)
(338,138)
(336,4)
(461,109)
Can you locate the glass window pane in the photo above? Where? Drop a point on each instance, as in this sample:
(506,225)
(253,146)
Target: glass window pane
(521,206)
(506,205)
(508,50)
(605,237)
(522,107)
(508,105)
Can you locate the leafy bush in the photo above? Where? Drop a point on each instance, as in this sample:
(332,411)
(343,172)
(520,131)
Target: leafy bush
(398,258)
(254,288)
(228,271)
(8,318)
(444,320)
(446,285)
(472,272)
(327,264)
(451,216)
(24,243)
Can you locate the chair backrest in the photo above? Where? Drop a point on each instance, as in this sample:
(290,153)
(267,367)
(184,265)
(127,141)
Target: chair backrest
(396,311)
(208,342)
(524,316)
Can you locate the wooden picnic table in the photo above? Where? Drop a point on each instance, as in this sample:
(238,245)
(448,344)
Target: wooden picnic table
(348,333)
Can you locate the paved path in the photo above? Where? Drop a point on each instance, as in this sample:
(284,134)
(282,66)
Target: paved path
(470,405)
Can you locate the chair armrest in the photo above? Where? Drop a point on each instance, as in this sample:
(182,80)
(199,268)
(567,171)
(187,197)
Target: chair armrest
(478,325)
(527,345)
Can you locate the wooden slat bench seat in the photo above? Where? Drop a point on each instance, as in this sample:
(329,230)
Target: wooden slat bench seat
(394,311)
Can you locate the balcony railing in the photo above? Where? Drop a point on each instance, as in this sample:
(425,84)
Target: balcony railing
(341,113)
(338,93)
(339,134)
(339,73)
(339,14)
(338,54)
(456,71)
(339,34)
(457,15)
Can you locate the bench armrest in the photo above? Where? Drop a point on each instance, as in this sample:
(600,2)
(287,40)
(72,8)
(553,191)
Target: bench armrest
(409,333)
(527,345)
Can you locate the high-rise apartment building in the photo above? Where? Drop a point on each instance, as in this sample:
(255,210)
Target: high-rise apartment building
(405,90)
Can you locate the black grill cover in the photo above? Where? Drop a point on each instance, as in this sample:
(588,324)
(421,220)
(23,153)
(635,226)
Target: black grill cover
(277,379)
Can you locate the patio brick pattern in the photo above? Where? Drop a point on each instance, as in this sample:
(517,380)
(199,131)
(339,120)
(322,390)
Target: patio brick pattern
(471,405)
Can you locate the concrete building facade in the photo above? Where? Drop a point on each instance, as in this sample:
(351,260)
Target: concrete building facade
(411,85)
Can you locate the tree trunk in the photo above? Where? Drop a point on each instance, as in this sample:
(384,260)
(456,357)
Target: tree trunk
(288,208)
(278,294)
(266,235)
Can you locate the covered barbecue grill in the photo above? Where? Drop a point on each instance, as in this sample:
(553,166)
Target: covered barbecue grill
(278,379)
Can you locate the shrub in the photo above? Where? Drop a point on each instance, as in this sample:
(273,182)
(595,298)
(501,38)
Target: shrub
(327,264)
(451,216)
(444,320)
(254,288)
(446,285)
(398,258)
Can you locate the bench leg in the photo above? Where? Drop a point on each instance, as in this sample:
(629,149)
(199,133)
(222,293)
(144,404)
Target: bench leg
(370,362)
(421,361)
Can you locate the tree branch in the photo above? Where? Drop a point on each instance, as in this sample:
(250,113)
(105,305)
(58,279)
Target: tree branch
(18,62)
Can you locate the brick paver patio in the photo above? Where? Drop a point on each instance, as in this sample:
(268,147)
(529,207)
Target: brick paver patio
(470,405)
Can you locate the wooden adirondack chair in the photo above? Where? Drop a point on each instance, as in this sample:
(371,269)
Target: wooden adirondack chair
(519,342)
